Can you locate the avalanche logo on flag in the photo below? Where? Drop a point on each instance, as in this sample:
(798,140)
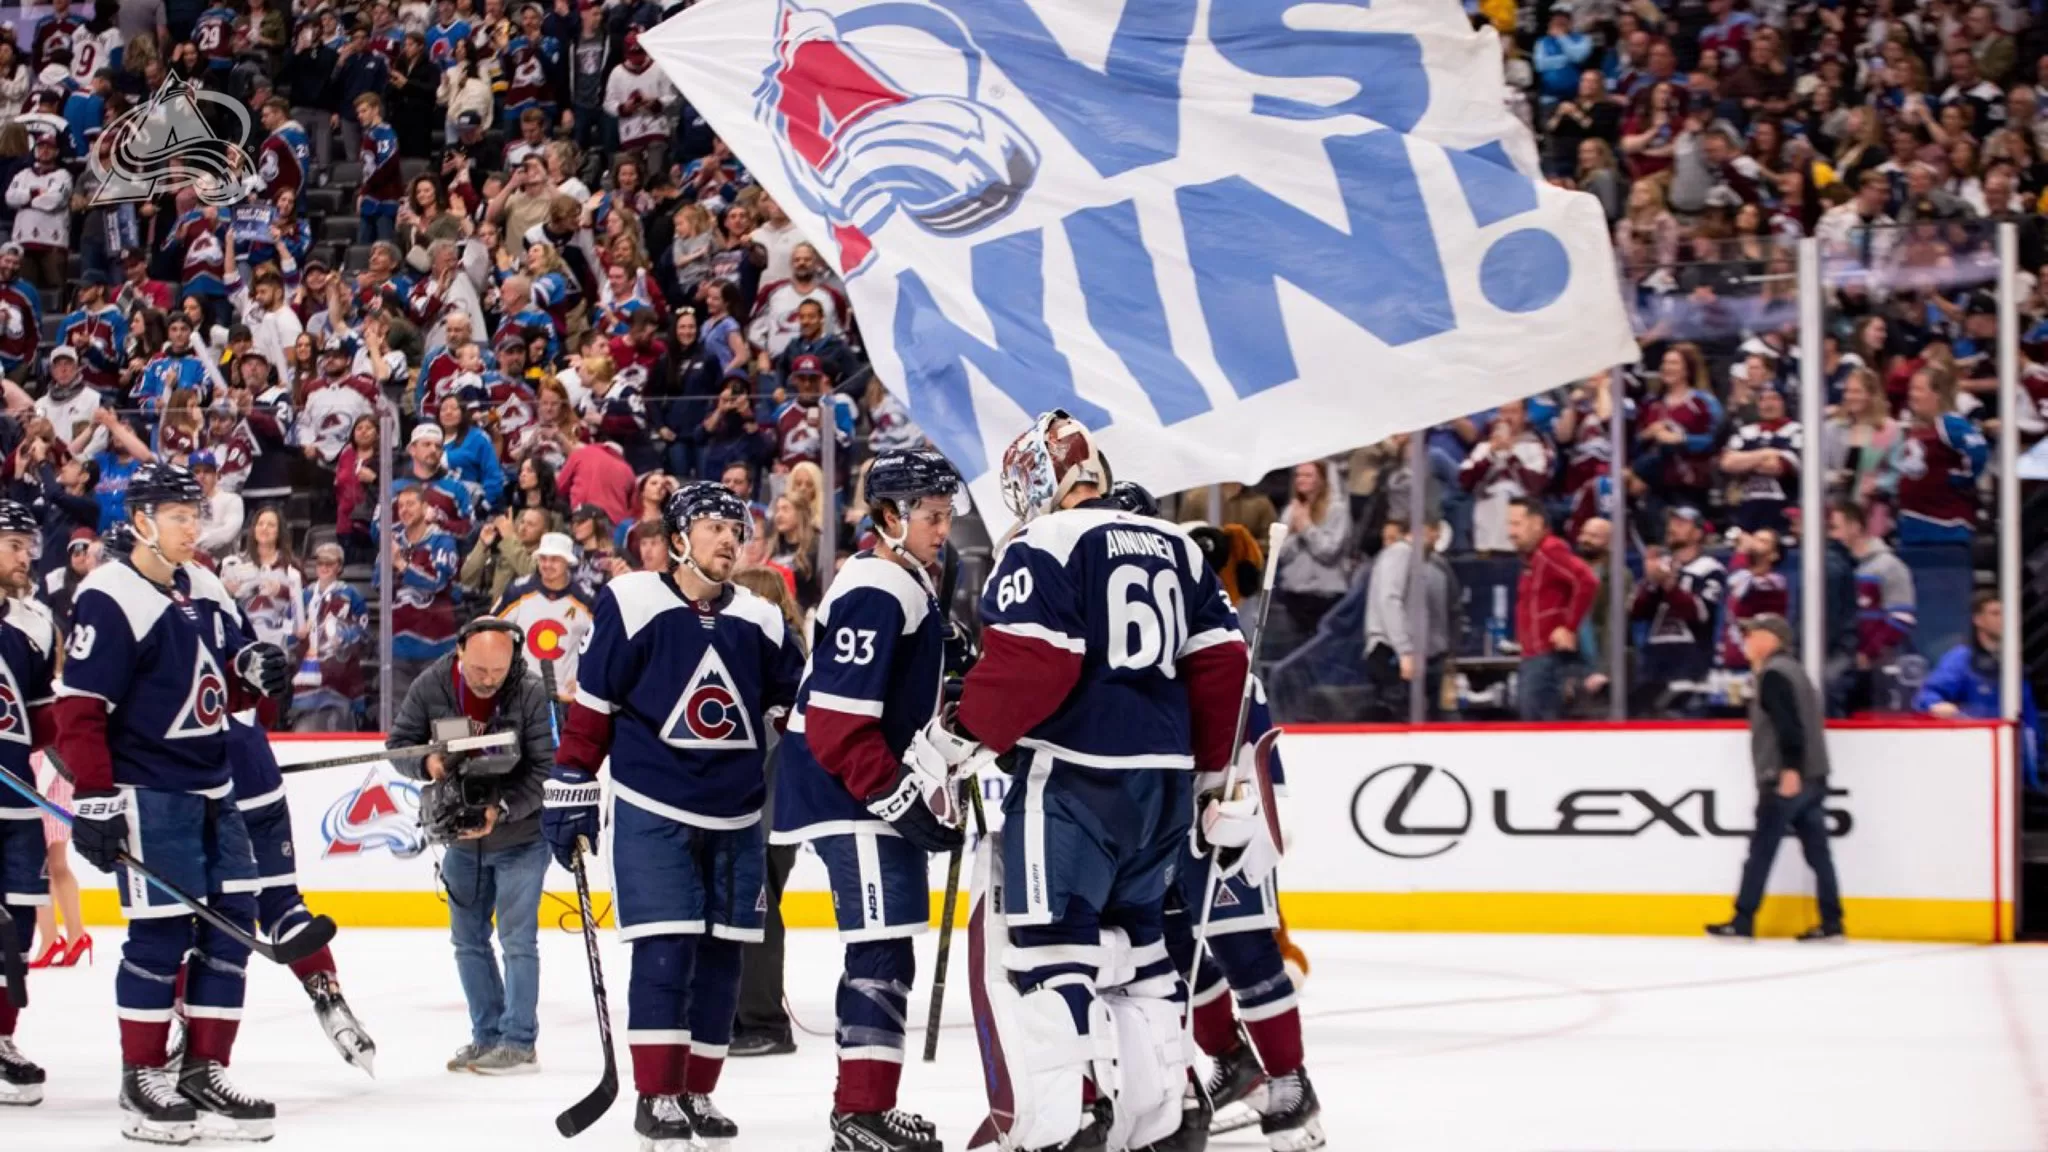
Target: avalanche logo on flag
(709,714)
(205,711)
(859,146)
(1227,235)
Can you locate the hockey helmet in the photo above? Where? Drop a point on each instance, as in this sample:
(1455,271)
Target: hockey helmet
(905,476)
(16,517)
(1046,463)
(704,500)
(1133,497)
(155,483)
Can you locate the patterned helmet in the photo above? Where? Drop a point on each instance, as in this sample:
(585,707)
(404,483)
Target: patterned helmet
(704,500)
(16,517)
(154,484)
(1044,464)
(1132,497)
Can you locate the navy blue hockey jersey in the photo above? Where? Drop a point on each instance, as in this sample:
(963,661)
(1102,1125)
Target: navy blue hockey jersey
(872,682)
(1108,643)
(679,693)
(252,763)
(28,662)
(145,694)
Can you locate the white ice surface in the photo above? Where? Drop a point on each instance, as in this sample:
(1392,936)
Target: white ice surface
(1414,1042)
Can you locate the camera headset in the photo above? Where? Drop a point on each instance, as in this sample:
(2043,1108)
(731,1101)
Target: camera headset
(484,624)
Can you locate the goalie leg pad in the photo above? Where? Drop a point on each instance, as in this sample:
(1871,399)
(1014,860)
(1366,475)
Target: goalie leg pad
(1152,1064)
(1052,1057)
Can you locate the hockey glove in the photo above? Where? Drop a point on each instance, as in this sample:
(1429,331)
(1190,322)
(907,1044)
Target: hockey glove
(941,748)
(905,806)
(1243,839)
(99,826)
(568,811)
(264,668)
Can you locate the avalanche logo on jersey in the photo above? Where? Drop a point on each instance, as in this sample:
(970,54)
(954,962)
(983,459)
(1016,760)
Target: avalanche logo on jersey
(709,715)
(205,711)
(13,713)
(858,145)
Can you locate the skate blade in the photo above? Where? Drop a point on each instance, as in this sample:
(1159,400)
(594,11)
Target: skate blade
(150,1132)
(686,1144)
(213,1127)
(1303,1139)
(1234,1118)
(357,1050)
(20,1095)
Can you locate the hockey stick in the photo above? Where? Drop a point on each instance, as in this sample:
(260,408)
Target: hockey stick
(1275,537)
(586,1111)
(312,938)
(946,919)
(483,743)
(11,965)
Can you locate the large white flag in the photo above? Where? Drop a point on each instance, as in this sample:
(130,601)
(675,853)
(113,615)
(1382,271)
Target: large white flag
(1230,235)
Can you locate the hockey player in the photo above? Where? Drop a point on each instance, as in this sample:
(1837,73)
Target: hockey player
(28,657)
(152,670)
(1243,963)
(1111,667)
(851,785)
(680,674)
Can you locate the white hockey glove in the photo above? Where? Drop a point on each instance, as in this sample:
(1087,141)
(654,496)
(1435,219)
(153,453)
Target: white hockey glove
(1243,839)
(940,752)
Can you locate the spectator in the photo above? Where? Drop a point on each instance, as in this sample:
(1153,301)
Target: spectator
(470,455)
(337,401)
(1390,647)
(597,475)
(1314,569)
(1595,539)
(651,548)
(1511,463)
(41,198)
(555,431)
(355,482)
(597,561)
(60,494)
(550,593)
(1680,601)
(797,419)
(61,582)
(1559,57)
(1934,468)
(1995,52)
(1763,457)
(1552,597)
(503,553)
(534,487)
(1886,604)
(650,493)
(1965,683)
(1675,444)
(777,310)
(1858,439)
(731,432)
(1858,231)
(266,580)
(793,544)
(220,518)
(448,500)
(422,562)
(1755,588)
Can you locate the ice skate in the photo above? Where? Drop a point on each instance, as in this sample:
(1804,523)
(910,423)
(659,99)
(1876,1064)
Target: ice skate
(1237,1088)
(1293,1118)
(891,1131)
(238,1115)
(152,1109)
(714,1131)
(21,1082)
(663,1125)
(340,1024)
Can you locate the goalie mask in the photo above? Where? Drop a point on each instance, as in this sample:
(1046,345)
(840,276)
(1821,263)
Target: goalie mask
(1046,463)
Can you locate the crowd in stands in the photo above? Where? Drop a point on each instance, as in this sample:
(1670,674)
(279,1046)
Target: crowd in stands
(493,243)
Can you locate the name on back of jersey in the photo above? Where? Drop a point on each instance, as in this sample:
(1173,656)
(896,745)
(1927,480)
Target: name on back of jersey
(1126,542)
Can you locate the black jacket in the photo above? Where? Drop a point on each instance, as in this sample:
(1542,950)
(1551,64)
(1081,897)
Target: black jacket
(522,708)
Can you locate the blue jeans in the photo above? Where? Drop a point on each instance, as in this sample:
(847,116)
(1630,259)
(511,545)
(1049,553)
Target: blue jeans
(1540,693)
(507,882)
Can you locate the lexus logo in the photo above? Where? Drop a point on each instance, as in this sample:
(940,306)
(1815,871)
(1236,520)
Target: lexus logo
(1381,806)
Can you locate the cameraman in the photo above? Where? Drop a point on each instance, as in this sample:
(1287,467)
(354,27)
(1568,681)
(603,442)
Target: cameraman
(496,867)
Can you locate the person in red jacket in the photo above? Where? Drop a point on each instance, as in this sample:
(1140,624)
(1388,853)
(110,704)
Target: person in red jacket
(1551,601)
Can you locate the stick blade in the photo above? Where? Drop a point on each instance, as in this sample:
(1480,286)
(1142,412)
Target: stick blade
(1262,779)
(578,1117)
(305,942)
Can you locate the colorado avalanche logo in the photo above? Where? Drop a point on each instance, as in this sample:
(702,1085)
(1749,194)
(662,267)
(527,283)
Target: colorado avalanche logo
(709,714)
(858,146)
(206,707)
(13,715)
(380,814)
